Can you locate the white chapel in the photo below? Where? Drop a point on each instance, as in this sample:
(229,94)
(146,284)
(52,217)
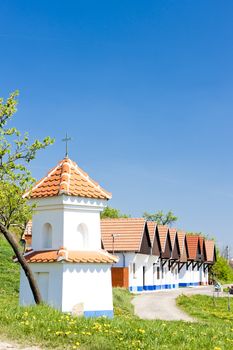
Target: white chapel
(73,272)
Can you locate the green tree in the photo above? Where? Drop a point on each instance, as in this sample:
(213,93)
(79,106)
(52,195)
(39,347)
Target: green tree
(14,211)
(160,217)
(16,152)
(112,213)
(221,270)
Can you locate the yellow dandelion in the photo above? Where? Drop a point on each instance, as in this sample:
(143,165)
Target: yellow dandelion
(142,331)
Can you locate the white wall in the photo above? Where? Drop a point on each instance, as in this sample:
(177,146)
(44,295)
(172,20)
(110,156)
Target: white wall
(55,271)
(65,214)
(89,284)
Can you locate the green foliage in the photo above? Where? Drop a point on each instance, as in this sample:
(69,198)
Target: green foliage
(15,149)
(112,213)
(161,218)
(51,329)
(14,211)
(222,271)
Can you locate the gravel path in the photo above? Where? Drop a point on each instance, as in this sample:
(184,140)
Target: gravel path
(162,305)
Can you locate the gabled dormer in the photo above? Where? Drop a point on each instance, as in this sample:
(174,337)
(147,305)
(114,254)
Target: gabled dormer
(174,243)
(194,248)
(68,205)
(165,242)
(154,236)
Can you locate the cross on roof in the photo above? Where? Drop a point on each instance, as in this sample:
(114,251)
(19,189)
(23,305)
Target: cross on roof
(66,140)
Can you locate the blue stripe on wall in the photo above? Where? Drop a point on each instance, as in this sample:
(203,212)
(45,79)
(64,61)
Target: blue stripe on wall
(99,313)
(163,286)
(151,288)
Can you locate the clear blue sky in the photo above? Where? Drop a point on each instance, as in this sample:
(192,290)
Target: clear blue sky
(145,89)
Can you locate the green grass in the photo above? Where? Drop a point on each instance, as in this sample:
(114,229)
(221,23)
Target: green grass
(51,329)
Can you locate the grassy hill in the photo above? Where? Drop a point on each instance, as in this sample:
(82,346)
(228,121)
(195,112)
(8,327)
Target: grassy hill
(51,329)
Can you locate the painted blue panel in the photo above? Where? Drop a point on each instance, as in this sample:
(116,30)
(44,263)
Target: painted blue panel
(99,313)
(157,287)
(168,286)
(150,287)
(139,288)
(182,284)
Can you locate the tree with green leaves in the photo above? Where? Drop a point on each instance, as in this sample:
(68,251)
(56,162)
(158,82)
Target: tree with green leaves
(16,151)
(161,218)
(112,213)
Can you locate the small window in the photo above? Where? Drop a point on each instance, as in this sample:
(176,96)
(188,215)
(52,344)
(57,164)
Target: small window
(47,236)
(158,273)
(82,237)
(134,270)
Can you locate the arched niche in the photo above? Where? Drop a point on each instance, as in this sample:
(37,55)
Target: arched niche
(47,236)
(82,237)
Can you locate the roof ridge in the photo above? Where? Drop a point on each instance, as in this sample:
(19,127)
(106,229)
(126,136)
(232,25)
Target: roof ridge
(90,180)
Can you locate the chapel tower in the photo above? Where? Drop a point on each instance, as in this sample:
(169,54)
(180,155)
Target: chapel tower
(72,270)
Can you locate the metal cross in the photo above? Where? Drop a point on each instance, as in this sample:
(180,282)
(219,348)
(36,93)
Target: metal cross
(66,140)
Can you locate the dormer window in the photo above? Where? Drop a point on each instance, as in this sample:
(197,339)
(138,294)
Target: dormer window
(47,236)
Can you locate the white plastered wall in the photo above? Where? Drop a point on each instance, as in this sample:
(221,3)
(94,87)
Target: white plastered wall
(55,271)
(65,214)
(87,284)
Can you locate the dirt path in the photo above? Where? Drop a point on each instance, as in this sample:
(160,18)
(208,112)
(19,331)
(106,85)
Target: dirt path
(162,305)
(4,345)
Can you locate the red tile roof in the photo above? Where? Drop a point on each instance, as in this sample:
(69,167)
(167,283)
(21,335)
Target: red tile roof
(192,243)
(128,234)
(181,240)
(163,232)
(151,228)
(67,178)
(210,250)
(172,232)
(45,256)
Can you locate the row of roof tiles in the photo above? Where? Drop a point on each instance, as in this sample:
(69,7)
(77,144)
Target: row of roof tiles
(63,254)
(164,241)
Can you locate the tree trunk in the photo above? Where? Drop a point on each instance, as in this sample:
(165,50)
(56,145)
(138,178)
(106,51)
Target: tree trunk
(32,282)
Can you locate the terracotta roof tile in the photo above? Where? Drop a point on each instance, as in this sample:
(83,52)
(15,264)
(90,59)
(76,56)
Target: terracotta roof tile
(163,231)
(192,244)
(210,250)
(62,254)
(128,234)
(67,178)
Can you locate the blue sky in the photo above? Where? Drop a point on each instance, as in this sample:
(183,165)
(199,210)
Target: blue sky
(144,89)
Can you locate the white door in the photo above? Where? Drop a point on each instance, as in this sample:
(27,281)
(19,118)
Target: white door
(43,283)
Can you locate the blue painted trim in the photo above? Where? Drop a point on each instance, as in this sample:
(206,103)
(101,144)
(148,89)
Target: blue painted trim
(148,288)
(136,289)
(99,313)
(189,284)
(158,287)
(182,284)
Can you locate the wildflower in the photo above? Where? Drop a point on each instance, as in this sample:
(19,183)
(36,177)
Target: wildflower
(141,330)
